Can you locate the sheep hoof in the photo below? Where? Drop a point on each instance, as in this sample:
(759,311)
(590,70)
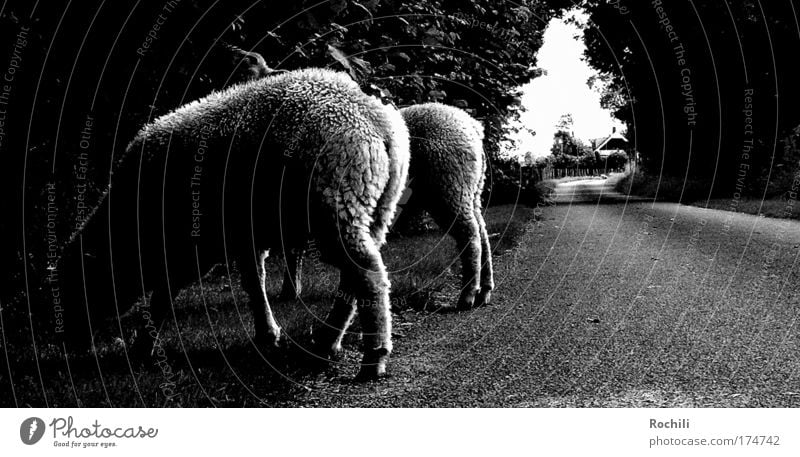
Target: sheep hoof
(484,297)
(268,339)
(373,366)
(326,343)
(327,351)
(466,300)
(464,305)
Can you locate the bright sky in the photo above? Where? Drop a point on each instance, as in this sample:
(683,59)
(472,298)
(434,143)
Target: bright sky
(563,90)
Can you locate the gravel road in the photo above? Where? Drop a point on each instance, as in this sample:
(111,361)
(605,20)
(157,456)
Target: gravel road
(609,301)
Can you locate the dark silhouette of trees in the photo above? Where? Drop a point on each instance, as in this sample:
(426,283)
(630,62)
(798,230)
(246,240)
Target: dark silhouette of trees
(708,88)
(89,74)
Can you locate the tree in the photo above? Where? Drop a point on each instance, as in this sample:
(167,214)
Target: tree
(565,123)
(92,74)
(616,160)
(696,82)
(565,142)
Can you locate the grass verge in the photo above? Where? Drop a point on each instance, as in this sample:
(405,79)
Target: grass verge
(695,193)
(775,207)
(208,357)
(663,188)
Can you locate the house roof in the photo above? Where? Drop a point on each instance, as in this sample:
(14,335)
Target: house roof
(603,141)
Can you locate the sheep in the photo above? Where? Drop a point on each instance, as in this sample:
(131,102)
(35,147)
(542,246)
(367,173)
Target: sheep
(263,164)
(446,179)
(448,169)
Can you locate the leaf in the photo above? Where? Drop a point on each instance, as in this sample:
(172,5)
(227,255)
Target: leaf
(339,28)
(437,95)
(430,41)
(366,10)
(299,50)
(342,59)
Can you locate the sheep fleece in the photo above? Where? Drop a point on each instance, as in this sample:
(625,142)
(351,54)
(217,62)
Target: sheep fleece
(260,165)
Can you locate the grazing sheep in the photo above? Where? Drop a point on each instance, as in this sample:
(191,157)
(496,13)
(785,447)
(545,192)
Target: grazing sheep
(447,176)
(261,165)
(448,170)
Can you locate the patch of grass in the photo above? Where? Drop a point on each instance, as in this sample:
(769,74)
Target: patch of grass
(663,188)
(774,207)
(695,193)
(420,266)
(208,356)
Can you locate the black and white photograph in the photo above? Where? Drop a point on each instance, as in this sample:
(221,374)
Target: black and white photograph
(467,206)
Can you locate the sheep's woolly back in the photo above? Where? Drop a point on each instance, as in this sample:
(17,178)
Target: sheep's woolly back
(435,116)
(319,121)
(448,140)
(256,104)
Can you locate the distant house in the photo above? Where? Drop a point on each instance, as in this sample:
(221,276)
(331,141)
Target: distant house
(604,147)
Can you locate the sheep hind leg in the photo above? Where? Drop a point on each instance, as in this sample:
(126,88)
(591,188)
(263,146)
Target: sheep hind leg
(371,286)
(487,272)
(328,336)
(253,278)
(468,242)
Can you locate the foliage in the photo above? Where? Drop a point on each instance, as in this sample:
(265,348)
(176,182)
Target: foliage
(565,142)
(616,160)
(564,161)
(784,177)
(684,189)
(543,162)
(511,183)
(696,82)
(88,75)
